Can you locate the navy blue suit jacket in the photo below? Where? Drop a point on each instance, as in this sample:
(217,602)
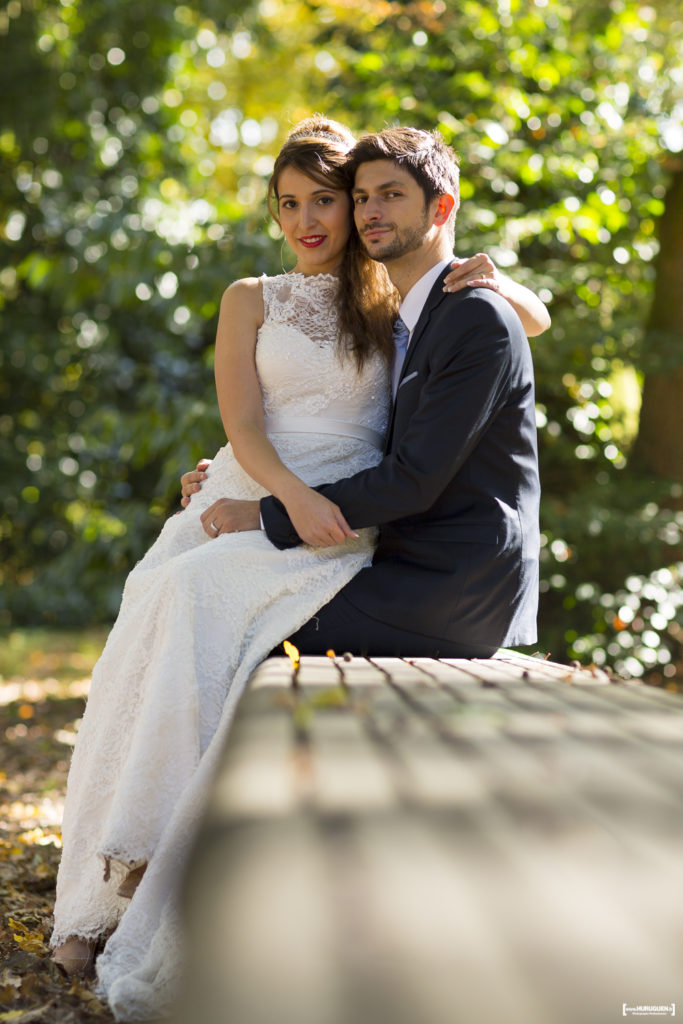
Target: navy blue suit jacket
(456,496)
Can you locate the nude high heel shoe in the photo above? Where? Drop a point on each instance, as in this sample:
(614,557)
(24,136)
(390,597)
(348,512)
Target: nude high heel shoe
(131,882)
(75,956)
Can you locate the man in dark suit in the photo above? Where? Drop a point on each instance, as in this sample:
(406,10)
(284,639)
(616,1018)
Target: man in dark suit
(456,496)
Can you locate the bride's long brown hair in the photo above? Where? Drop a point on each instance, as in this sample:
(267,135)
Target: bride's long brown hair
(366,300)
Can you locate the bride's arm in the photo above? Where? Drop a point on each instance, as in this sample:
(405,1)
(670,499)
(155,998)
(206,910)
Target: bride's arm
(241,407)
(481,272)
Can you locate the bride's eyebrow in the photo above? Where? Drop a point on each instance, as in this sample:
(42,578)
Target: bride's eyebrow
(318,192)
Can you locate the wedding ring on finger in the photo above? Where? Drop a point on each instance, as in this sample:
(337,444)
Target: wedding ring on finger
(214,527)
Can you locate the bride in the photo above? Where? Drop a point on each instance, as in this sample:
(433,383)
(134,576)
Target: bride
(302,364)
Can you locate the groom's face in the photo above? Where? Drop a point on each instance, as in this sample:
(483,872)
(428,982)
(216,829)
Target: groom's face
(390,211)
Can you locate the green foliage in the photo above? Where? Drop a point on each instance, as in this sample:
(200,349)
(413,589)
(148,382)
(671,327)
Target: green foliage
(108,305)
(134,172)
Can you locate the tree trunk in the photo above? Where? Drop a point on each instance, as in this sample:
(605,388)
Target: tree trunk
(659,446)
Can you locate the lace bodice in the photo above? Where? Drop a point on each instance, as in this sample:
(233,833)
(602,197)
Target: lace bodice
(298,362)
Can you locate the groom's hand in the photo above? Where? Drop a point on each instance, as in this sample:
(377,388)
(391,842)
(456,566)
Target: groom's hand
(229,515)
(192,482)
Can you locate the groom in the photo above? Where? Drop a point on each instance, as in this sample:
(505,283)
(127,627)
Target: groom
(456,496)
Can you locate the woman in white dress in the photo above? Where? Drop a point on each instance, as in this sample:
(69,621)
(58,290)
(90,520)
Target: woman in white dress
(302,376)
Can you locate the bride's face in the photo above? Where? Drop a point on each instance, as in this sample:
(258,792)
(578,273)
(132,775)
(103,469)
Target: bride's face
(316,220)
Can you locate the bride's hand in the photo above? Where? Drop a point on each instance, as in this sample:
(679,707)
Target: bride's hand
(192,482)
(476,272)
(317,520)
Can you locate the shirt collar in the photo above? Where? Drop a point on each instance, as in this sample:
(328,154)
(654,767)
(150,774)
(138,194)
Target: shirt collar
(412,305)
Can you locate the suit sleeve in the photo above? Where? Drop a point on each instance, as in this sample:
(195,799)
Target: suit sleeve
(466,384)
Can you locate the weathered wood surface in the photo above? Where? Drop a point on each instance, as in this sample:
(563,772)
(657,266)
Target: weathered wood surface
(432,842)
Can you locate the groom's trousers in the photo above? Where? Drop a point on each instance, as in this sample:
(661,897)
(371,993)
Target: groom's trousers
(341,627)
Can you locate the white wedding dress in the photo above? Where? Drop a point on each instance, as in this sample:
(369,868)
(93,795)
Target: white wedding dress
(197,615)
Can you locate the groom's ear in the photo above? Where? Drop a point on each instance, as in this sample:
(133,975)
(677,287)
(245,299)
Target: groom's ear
(444,208)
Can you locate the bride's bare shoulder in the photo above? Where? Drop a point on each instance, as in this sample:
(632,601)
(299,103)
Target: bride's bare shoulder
(244,297)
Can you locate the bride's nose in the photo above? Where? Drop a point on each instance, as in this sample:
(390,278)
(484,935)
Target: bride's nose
(308,216)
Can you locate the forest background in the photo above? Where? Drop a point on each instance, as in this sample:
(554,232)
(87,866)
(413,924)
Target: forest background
(135,147)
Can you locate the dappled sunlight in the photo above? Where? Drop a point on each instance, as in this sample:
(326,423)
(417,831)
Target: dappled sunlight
(34,819)
(136,173)
(36,690)
(40,712)
(566,120)
(44,680)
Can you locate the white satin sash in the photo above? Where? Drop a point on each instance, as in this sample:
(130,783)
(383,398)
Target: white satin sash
(322,425)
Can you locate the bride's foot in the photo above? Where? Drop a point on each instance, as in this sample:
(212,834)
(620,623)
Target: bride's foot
(131,882)
(75,956)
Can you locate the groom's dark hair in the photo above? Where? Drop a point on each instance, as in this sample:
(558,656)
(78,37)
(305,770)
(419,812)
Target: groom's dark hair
(425,156)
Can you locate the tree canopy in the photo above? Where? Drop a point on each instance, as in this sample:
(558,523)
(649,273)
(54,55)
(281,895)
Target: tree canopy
(136,148)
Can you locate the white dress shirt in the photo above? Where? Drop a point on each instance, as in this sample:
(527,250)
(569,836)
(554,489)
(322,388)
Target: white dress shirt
(413,304)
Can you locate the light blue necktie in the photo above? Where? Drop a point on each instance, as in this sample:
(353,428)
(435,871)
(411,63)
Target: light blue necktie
(401,339)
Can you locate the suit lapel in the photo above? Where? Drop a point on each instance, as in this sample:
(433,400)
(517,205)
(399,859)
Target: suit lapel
(434,299)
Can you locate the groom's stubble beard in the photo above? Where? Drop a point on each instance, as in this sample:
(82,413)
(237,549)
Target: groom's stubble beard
(405,241)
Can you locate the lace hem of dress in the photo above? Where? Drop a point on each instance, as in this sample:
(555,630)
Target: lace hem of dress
(98,935)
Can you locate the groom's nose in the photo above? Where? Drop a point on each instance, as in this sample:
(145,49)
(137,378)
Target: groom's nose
(371,209)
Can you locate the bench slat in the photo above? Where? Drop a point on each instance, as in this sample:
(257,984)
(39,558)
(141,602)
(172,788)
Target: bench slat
(427,842)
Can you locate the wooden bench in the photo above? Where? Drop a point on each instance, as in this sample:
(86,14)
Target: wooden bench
(440,842)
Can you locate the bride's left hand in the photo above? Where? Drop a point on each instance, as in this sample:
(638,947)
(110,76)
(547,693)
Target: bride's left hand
(476,272)
(192,482)
(230,515)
